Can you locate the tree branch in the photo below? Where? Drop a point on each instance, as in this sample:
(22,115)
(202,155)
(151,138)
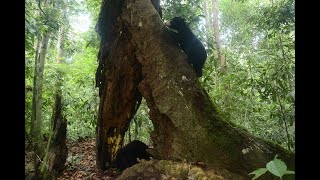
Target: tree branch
(39,5)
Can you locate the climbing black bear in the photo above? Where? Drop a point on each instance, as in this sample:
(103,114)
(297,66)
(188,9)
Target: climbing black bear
(128,154)
(189,43)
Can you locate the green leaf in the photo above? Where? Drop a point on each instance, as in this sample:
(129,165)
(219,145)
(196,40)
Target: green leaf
(277,167)
(257,173)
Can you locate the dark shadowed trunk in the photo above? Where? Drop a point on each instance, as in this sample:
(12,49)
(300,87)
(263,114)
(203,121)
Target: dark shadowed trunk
(143,58)
(117,77)
(57,151)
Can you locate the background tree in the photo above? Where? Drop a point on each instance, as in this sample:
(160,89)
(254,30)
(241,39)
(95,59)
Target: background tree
(44,20)
(36,115)
(216,32)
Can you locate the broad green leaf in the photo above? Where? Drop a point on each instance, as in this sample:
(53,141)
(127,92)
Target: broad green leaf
(277,167)
(257,173)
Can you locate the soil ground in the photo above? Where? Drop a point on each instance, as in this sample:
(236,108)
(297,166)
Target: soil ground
(81,163)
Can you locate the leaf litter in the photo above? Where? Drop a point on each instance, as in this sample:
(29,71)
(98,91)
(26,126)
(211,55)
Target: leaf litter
(81,162)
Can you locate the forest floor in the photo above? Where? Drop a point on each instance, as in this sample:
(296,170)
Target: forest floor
(81,163)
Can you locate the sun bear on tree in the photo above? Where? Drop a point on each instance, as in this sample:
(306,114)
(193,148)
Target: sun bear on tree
(189,43)
(128,155)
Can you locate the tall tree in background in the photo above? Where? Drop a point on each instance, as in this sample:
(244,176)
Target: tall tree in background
(60,52)
(47,24)
(208,21)
(216,32)
(36,118)
(57,151)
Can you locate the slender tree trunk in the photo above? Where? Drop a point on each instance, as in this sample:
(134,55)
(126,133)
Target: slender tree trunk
(208,20)
(56,153)
(136,131)
(279,100)
(59,44)
(174,8)
(216,33)
(58,92)
(221,57)
(36,117)
(33,112)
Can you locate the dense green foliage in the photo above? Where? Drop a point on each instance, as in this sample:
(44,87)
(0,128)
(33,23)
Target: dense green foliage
(141,126)
(257,91)
(261,70)
(80,97)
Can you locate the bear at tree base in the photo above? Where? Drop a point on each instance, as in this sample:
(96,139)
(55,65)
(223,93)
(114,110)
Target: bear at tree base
(128,155)
(189,43)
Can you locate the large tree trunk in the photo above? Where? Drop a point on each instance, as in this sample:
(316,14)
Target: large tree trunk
(36,116)
(117,77)
(187,125)
(118,102)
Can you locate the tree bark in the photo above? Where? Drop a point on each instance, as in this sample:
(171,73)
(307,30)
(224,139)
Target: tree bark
(216,34)
(57,151)
(36,116)
(117,77)
(187,124)
(34,93)
(60,44)
(208,21)
(119,103)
